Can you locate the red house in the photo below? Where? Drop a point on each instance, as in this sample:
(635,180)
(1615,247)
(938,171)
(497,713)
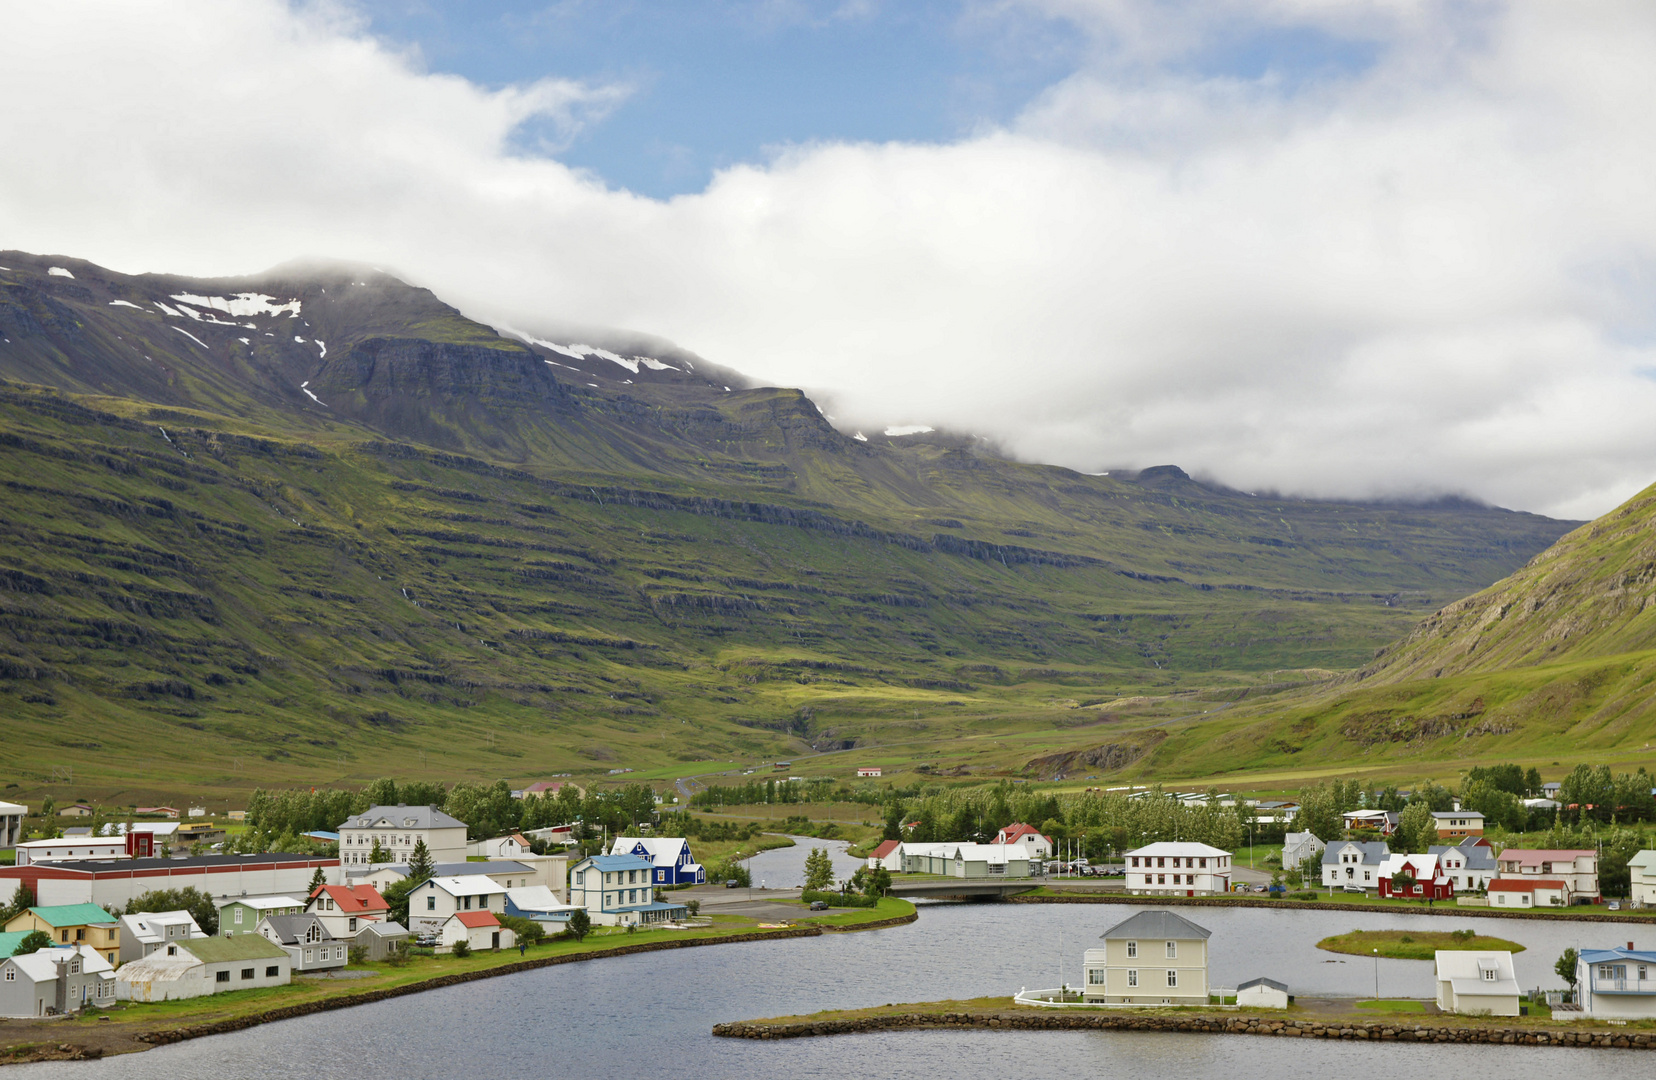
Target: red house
(1415,877)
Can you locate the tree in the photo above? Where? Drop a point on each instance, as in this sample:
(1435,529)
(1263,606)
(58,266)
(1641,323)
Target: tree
(377,854)
(580,924)
(1565,968)
(893,823)
(819,870)
(461,949)
(1532,783)
(1415,831)
(22,900)
(420,865)
(1435,796)
(47,806)
(396,895)
(33,941)
(1402,882)
(878,882)
(318,880)
(199,904)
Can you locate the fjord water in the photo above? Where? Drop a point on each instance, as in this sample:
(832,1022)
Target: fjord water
(650,1014)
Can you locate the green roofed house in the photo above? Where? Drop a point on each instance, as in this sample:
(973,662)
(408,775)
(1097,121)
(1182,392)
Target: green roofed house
(196,967)
(10,940)
(73,924)
(241,914)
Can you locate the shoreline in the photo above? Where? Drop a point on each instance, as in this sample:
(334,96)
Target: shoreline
(1452,911)
(1031,1019)
(55,1045)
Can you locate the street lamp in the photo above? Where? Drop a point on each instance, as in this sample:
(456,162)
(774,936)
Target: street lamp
(1377,978)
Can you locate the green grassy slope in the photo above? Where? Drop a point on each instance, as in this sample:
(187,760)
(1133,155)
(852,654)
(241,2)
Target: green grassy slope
(477,560)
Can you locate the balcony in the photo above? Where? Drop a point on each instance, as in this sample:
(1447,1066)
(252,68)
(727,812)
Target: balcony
(1624,986)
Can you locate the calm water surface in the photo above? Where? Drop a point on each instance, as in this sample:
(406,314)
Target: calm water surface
(650,1015)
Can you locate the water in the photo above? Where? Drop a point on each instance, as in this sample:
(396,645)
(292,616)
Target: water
(784,868)
(651,1014)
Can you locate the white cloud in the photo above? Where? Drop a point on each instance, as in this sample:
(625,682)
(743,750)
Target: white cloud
(1433,275)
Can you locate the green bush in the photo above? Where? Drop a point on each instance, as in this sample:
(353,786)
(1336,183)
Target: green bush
(527,931)
(462,950)
(849,899)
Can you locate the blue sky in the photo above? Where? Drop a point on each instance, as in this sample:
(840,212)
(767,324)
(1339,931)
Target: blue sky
(718,82)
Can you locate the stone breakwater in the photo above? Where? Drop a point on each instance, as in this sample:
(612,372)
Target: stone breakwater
(1453,911)
(1373,1031)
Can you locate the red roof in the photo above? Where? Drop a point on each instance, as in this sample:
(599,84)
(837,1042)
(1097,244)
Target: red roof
(354,899)
(1524,884)
(1018,830)
(473,919)
(886,848)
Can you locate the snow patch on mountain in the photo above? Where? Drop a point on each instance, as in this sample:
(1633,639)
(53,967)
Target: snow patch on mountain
(907,429)
(191,336)
(305,386)
(242,304)
(58,271)
(126,303)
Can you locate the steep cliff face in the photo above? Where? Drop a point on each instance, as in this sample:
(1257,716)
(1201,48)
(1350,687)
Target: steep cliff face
(1591,595)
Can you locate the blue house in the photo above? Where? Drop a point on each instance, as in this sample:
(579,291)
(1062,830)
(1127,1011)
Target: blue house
(669,857)
(616,890)
(1617,983)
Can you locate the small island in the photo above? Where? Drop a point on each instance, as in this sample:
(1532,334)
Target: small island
(1414,944)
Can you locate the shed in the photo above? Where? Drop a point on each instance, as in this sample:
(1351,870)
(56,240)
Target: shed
(1477,983)
(1262,994)
(380,938)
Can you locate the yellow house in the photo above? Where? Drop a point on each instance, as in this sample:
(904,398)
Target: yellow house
(1152,958)
(73,924)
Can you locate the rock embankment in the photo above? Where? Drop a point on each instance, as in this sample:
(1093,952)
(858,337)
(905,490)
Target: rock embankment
(1449,911)
(1375,1031)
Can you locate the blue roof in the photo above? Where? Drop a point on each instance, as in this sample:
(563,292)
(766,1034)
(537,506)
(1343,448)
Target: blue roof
(608,863)
(655,906)
(323,834)
(1605,956)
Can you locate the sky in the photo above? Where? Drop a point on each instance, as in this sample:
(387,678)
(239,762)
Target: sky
(1368,248)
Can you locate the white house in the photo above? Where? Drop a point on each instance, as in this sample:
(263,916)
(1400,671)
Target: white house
(1152,958)
(478,929)
(1039,845)
(201,966)
(1619,983)
(1470,864)
(1578,867)
(509,846)
(144,932)
(398,829)
(548,870)
(868,771)
(1354,863)
(1477,983)
(1299,848)
(1178,868)
(887,856)
(1262,994)
(55,981)
(11,823)
(346,909)
(1529,892)
(435,899)
(616,890)
(1641,869)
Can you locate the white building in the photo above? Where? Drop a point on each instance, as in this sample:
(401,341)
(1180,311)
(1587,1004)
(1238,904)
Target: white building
(203,966)
(1152,958)
(548,870)
(1262,994)
(1038,843)
(306,940)
(615,890)
(118,882)
(55,981)
(478,929)
(146,931)
(1577,867)
(398,829)
(1477,983)
(966,860)
(510,846)
(1178,868)
(1641,869)
(11,823)
(1469,864)
(1354,863)
(435,899)
(1618,983)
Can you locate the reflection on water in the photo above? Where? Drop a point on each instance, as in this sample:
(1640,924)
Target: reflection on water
(784,868)
(651,1014)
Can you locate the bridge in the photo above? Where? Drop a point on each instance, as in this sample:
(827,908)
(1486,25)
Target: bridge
(941,888)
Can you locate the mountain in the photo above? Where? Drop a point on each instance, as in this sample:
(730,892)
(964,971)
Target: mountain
(315,526)
(1555,663)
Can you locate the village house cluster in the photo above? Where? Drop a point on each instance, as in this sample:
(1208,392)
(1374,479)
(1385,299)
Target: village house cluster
(276,920)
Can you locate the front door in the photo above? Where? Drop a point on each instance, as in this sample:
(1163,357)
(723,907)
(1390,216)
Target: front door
(496,937)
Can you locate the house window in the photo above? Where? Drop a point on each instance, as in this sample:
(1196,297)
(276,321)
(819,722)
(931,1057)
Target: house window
(172,950)
(1132,977)
(1172,978)
(238,916)
(1489,974)
(1132,949)
(74,967)
(11,975)
(273,972)
(1096,976)
(580,877)
(222,976)
(431,903)
(247,973)
(1172,950)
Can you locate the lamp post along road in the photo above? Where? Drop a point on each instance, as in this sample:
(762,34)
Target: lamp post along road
(1376,978)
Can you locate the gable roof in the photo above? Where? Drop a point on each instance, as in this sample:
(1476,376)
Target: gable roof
(1017,830)
(71,914)
(1644,859)
(1272,983)
(1180,848)
(468,885)
(535,898)
(1301,837)
(1525,884)
(1425,867)
(1545,854)
(40,965)
(611,863)
(261,903)
(353,899)
(471,920)
(662,850)
(1373,851)
(290,928)
(402,817)
(886,848)
(1478,857)
(385,929)
(1156,924)
(1605,956)
(10,940)
(1464,970)
(217,950)
(1442,814)
(151,925)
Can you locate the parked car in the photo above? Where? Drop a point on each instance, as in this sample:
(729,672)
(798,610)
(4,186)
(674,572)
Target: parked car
(1353,888)
(819,905)
(731,883)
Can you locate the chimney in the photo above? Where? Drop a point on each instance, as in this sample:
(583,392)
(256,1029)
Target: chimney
(1629,946)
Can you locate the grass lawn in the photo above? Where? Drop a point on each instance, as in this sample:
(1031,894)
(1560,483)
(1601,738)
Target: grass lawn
(1411,944)
(1393,1005)
(889,907)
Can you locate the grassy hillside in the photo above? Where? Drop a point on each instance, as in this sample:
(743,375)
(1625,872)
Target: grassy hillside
(364,536)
